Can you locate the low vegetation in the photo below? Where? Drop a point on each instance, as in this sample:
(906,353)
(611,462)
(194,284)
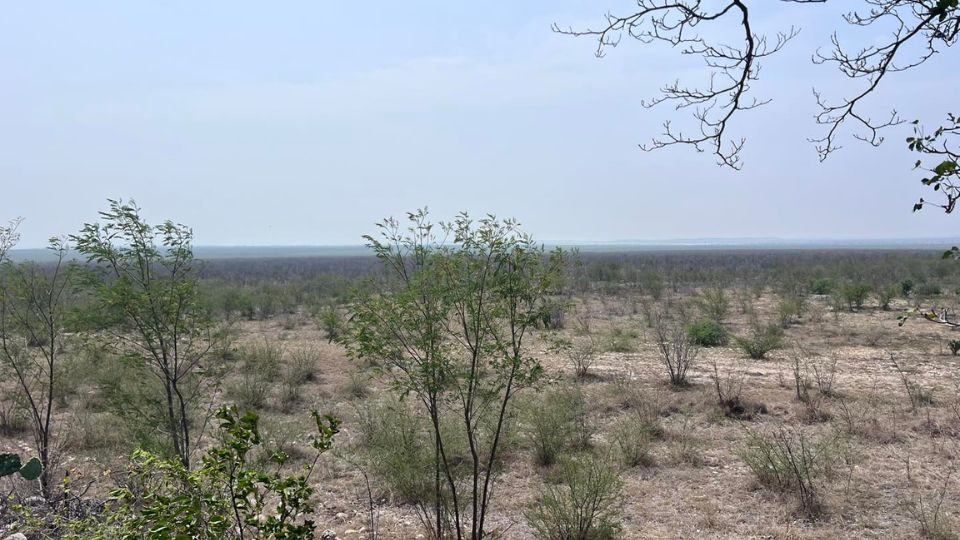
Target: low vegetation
(584,505)
(548,401)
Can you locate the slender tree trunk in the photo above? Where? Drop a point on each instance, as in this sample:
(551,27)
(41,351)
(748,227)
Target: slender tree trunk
(184,427)
(435,417)
(172,417)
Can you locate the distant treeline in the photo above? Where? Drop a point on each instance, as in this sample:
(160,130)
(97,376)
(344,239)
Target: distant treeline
(264,287)
(761,268)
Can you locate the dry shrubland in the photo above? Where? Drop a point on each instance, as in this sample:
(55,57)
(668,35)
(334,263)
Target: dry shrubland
(817,418)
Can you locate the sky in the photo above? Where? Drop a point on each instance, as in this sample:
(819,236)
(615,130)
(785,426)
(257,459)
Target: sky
(305,122)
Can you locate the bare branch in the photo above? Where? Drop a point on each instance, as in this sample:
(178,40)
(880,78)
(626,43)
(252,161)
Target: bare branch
(732,68)
(920,29)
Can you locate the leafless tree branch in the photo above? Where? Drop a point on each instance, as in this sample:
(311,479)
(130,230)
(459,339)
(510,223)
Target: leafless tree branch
(920,29)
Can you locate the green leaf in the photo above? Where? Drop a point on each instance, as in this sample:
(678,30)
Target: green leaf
(9,464)
(32,470)
(945,167)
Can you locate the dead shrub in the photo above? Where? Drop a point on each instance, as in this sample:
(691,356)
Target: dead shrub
(677,351)
(916,393)
(728,385)
(926,506)
(788,461)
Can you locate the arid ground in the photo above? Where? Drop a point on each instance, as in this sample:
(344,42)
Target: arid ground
(880,398)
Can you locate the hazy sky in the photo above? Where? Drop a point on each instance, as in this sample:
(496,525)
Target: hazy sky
(305,122)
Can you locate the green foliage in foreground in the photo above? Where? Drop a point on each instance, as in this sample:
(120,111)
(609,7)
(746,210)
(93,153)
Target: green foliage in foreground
(228,496)
(11,464)
(452,330)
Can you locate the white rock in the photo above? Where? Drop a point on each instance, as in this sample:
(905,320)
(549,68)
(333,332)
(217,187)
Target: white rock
(16,536)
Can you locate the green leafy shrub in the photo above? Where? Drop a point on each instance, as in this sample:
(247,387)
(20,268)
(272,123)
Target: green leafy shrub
(713,304)
(622,341)
(554,314)
(761,340)
(822,286)
(144,281)
(634,435)
(885,295)
(260,365)
(451,330)
(790,308)
(708,333)
(395,442)
(906,287)
(556,423)
(854,294)
(332,323)
(226,497)
(583,506)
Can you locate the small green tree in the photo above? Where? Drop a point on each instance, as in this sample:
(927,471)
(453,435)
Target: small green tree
(822,286)
(885,295)
(713,304)
(854,294)
(150,310)
(332,323)
(33,309)
(453,327)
